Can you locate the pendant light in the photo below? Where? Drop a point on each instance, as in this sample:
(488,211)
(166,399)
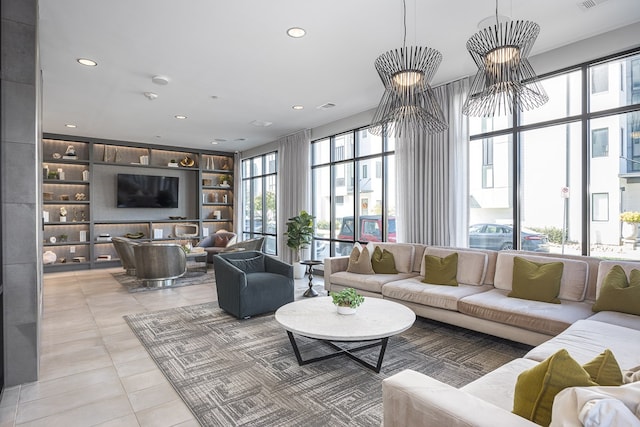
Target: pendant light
(505,79)
(408,103)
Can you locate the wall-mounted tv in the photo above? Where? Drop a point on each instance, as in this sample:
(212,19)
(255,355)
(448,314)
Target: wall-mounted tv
(147,191)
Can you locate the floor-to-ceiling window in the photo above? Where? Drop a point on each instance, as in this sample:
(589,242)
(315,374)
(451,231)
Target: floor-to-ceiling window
(560,176)
(353,191)
(259,200)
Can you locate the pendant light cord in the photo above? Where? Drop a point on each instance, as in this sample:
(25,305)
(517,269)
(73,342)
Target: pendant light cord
(404,23)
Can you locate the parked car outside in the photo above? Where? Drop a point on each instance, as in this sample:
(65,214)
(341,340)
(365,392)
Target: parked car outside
(370,231)
(499,237)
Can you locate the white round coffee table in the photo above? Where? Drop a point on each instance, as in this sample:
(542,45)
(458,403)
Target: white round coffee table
(375,320)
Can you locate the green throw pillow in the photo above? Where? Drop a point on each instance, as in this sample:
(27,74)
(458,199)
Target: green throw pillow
(360,262)
(441,271)
(537,387)
(383,261)
(618,294)
(604,369)
(536,281)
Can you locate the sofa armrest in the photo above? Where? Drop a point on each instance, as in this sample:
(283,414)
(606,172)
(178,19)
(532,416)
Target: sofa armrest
(412,399)
(274,265)
(334,265)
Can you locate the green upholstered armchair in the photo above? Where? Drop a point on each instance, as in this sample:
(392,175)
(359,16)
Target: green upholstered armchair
(251,283)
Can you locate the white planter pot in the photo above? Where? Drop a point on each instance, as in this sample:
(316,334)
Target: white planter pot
(298,270)
(629,230)
(345,310)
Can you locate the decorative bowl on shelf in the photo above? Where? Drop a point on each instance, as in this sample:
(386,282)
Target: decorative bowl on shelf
(134,235)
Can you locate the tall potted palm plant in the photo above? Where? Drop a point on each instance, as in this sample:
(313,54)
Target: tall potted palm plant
(299,234)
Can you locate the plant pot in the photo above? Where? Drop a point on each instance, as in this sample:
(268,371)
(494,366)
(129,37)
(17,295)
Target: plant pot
(629,230)
(298,270)
(345,310)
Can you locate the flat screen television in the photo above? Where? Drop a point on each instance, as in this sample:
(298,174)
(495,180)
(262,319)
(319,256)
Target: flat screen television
(147,191)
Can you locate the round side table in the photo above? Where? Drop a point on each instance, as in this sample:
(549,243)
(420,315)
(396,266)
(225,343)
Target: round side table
(310,264)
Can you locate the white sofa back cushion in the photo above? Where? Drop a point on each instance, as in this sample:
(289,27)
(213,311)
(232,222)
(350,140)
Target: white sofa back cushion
(472,266)
(605,267)
(403,254)
(573,284)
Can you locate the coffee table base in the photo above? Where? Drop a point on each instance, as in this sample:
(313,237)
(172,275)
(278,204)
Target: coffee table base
(382,342)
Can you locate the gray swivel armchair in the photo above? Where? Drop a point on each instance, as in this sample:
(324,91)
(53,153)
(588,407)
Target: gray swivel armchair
(124,248)
(159,264)
(251,283)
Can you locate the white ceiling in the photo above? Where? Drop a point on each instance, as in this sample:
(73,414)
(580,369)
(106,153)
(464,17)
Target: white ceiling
(238,50)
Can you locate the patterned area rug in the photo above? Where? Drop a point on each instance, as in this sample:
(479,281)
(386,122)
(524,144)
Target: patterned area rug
(190,278)
(243,372)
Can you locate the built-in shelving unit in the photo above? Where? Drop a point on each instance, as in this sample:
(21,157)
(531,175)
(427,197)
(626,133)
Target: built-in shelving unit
(78,197)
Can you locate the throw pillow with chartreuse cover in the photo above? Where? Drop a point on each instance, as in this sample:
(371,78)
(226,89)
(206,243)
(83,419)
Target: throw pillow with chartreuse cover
(537,387)
(360,261)
(441,271)
(618,294)
(383,261)
(536,281)
(605,370)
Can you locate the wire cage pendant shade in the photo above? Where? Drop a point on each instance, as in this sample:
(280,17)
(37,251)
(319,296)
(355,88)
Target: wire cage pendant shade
(505,78)
(408,103)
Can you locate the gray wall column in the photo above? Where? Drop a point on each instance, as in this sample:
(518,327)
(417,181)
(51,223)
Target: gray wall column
(20,189)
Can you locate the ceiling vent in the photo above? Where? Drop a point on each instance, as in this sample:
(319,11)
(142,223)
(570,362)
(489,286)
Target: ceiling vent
(326,106)
(589,4)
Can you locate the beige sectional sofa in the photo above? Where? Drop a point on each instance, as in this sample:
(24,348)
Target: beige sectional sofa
(480,303)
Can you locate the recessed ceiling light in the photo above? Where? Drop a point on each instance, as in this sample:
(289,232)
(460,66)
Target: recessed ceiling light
(87,62)
(298,107)
(240,139)
(179,117)
(214,96)
(296,32)
(150,95)
(69,125)
(220,140)
(261,123)
(160,80)
(214,142)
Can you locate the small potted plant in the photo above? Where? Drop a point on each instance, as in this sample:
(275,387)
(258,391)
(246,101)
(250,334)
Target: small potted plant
(347,300)
(299,234)
(630,224)
(225,180)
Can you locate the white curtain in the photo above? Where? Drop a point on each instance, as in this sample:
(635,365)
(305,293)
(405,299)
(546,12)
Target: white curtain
(294,191)
(432,177)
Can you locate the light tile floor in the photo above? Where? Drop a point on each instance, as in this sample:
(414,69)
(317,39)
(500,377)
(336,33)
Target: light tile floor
(93,369)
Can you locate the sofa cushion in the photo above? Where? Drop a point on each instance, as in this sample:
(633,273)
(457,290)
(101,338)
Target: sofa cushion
(366,282)
(619,294)
(573,284)
(441,271)
(550,319)
(537,387)
(586,339)
(472,265)
(383,261)
(360,262)
(536,281)
(604,369)
(621,319)
(497,387)
(403,254)
(413,290)
(605,266)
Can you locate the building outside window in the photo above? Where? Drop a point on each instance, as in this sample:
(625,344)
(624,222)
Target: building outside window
(557,186)
(351,202)
(259,200)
